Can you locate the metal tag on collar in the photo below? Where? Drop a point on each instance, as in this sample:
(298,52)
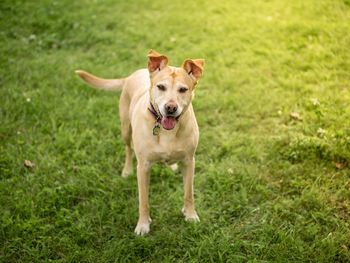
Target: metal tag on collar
(156,129)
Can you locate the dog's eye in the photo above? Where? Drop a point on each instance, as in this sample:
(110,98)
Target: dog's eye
(161,87)
(183,89)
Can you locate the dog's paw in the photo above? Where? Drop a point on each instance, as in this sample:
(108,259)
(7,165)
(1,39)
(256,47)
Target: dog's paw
(174,167)
(126,172)
(142,228)
(190,216)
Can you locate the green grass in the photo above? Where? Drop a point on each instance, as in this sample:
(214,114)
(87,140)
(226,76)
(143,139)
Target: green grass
(267,187)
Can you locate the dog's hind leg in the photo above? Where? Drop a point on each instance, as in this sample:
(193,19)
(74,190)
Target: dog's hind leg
(126,133)
(127,170)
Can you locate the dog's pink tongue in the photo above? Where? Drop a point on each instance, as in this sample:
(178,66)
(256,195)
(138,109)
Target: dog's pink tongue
(168,123)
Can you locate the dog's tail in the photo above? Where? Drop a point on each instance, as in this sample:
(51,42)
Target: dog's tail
(99,83)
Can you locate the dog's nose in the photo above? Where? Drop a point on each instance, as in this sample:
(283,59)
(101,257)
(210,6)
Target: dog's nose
(170,107)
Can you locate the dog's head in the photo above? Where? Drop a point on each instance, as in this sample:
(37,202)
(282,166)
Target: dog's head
(172,88)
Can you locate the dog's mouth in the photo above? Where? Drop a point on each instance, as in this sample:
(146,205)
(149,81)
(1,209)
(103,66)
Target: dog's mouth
(168,122)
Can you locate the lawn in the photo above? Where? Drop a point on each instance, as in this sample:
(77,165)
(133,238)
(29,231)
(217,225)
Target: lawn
(273,163)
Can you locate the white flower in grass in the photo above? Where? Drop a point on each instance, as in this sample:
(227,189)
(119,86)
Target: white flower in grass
(315,101)
(321,132)
(32,37)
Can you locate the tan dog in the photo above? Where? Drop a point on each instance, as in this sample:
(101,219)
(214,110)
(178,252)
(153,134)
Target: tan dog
(158,123)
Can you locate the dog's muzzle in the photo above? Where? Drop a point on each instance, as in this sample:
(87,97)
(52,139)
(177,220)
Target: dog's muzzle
(170,108)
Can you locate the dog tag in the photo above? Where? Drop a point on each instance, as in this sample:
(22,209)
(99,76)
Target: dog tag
(156,129)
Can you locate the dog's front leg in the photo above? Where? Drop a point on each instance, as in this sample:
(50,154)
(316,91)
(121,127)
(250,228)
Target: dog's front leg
(188,175)
(143,171)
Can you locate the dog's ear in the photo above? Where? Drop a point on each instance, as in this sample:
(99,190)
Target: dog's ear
(156,61)
(194,68)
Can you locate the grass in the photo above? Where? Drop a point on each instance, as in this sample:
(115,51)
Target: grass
(269,188)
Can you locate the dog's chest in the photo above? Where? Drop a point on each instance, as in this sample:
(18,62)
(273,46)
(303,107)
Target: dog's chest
(168,148)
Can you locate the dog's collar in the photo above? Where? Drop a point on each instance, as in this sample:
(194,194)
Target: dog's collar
(155,113)
(158,117)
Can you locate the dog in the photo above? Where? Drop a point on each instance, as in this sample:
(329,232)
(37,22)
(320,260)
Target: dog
(157,123)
